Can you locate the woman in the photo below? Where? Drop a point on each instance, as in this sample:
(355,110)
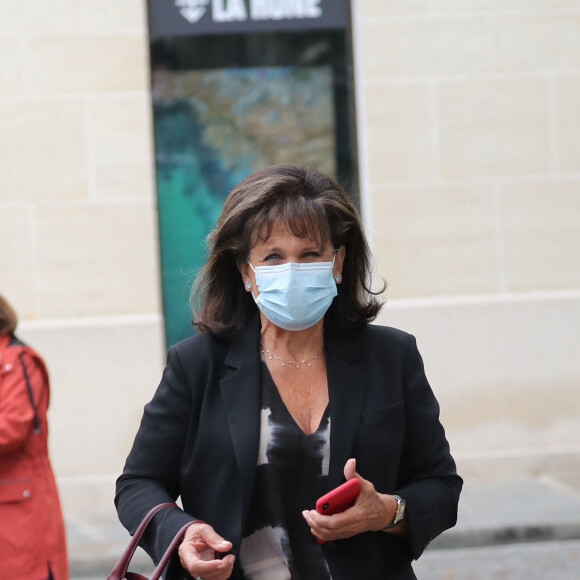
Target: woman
(286,392)
(32,537)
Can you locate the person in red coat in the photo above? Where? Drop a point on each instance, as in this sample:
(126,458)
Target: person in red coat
(32,534)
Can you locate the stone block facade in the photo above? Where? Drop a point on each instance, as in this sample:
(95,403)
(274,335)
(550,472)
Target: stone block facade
(469,136)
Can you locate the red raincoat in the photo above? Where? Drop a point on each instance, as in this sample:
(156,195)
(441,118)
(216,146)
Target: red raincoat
(32,536)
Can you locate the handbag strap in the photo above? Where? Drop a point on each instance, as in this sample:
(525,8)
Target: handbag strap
(119,571)
(169,552)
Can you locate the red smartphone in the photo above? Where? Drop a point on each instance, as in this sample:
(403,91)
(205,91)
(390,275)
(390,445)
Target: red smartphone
(338,499)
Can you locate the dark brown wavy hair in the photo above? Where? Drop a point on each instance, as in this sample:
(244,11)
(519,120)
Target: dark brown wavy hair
(312,205)
(8,318)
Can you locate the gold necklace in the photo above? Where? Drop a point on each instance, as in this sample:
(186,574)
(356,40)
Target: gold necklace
(268,354)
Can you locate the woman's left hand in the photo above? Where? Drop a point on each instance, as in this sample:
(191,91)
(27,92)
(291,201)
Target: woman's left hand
(372,511)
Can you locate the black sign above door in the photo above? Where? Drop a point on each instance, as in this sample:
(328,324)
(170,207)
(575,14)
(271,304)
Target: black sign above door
(192,17)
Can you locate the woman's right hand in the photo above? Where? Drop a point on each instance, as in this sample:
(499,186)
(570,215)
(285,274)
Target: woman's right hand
(200,550)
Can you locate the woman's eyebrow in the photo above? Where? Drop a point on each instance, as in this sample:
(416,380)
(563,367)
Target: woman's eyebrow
(278,250)
(271,250)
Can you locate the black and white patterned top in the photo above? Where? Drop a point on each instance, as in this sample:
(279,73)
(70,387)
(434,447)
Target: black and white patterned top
(290,477)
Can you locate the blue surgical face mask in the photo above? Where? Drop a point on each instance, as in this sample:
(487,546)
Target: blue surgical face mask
(295,296)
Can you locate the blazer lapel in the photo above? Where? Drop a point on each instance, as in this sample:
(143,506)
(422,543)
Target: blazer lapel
(241,395)
(346,391)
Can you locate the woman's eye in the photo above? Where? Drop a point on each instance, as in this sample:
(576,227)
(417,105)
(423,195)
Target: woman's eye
(272,257)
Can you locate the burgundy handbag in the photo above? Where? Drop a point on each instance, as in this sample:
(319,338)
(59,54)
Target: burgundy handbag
(119,571)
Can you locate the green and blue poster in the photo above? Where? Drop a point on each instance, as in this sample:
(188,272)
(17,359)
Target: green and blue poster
(212,128)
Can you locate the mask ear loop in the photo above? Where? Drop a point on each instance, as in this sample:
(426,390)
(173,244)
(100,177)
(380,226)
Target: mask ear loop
(247,283)
(337,275)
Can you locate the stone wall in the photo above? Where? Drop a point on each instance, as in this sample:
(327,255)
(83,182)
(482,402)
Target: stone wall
(470,163)
(78,231)
(470,131)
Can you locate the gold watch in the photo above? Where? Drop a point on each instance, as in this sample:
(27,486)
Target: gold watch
(399,513)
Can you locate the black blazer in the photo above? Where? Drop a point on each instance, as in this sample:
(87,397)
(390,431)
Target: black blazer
(199,437)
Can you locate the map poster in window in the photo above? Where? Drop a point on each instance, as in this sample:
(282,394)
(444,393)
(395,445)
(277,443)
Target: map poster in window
(237,85)
(214,127)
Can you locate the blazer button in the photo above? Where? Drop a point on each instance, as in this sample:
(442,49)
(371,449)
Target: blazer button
(26,493)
